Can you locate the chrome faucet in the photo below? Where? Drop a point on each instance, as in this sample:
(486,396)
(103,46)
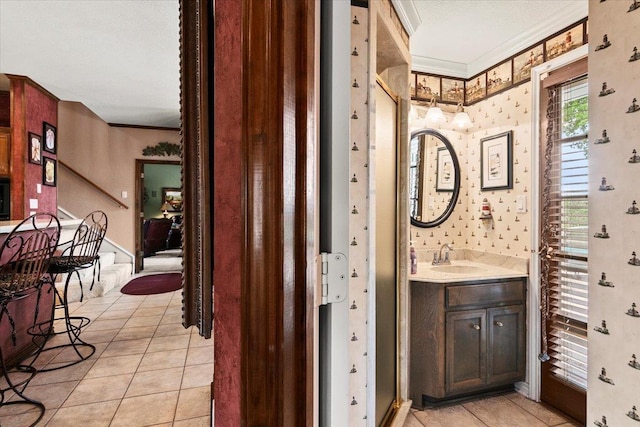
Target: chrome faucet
(439,260)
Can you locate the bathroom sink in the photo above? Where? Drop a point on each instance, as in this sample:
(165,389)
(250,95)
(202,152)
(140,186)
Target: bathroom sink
(458,269)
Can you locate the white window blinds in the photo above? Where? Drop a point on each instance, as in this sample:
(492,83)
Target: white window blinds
(565,192)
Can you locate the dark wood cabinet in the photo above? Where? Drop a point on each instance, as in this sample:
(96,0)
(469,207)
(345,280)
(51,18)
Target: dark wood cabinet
(466,337)
(5,153)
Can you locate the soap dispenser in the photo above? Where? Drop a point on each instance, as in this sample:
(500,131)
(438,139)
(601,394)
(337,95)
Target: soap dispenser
(414,258)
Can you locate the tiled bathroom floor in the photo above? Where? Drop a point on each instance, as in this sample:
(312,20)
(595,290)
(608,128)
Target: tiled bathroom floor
(147,369)
(510,410)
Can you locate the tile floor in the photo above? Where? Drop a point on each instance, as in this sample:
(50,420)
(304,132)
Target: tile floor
(509,410)
(147,370)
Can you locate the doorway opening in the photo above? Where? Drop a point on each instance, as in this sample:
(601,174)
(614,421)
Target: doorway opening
(158,215)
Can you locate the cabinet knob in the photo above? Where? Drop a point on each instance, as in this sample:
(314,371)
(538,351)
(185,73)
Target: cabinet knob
(476,327)
(498,323)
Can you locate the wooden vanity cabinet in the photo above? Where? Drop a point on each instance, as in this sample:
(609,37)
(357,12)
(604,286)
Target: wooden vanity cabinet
(466,337)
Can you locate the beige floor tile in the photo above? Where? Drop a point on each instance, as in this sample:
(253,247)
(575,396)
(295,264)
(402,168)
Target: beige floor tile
(197,376)
(124,347)
(68,354)
(94,337)
(146,410)
(569,424)
(198,341)
(101,325)
(194,422)
(163,360)
(199,355)
(193,402)
(135,322)
(51,395)
(412,421)
(154,303)
(501,412)
(171,319)
(449,417)
(168,343)
(135,333)
(26,418)
(116,314)
(155,381)
(93,415)
(76,372)
(93,390)
(170,330)
(129,305)
(108,366)
(541,412)
(152,311)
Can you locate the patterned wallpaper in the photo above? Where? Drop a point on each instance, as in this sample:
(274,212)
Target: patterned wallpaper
(509,232)
(614,373)
(359,218)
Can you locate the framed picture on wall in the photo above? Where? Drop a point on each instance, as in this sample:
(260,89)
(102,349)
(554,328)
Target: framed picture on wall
(49,171)
(445,178)
(173,199)
(35,148)
(50,137)
(496,162)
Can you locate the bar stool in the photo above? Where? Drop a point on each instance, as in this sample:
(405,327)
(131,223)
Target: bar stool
(24,260)
(78,254)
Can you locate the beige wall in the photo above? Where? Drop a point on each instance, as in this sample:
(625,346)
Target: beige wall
(105,155)
(508,233)
(613,352)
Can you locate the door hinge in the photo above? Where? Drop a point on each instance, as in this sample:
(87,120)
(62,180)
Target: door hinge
(333,271)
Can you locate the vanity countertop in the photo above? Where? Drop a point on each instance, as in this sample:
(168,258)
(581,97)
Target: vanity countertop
(462,271)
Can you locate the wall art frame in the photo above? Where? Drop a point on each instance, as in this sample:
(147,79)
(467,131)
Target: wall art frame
(35,148)
(49,171)
(496,162)
(50,137)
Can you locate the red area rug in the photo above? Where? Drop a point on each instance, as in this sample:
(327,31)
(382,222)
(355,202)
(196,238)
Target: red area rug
(153,284)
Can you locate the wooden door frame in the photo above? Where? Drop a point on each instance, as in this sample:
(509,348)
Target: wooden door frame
(139,205)
(255,216)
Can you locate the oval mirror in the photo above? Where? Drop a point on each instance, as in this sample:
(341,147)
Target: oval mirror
(434,178)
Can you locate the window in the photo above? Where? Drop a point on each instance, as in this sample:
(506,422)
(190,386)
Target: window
(564,236)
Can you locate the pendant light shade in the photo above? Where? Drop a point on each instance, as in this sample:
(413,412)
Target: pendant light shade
(435,114)
(462,120)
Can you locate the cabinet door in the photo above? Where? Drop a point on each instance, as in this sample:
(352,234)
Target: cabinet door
(4,154)
(505,348)
(466,350)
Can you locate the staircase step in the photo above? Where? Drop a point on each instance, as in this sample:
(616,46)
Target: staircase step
(111,276)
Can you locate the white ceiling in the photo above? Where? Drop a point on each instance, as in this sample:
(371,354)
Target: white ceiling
(464,37)
(121,57)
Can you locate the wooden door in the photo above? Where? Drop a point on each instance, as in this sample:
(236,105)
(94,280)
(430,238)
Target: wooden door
(466,350)
(505,346)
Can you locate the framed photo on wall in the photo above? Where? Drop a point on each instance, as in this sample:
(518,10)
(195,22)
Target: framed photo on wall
(496,162)
(50,137)
(444,172)
(35,148)
(563,43)
(49,171)
(173,198)
(476,88)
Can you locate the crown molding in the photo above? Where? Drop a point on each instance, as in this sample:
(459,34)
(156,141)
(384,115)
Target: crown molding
(408,15)
(438,66)
(533,35)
